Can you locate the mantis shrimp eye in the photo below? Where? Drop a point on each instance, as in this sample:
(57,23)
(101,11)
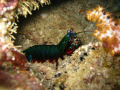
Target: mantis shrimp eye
(70,31)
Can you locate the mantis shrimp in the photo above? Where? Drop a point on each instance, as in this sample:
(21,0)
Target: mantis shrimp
(66,46)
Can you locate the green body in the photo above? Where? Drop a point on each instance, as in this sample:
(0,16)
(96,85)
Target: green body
(46,51)
(53,51)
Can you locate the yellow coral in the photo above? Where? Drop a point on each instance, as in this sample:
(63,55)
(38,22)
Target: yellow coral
(12,29)
(44,2)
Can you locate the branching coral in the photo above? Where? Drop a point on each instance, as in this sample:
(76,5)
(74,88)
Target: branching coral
(12,29)
(10,10)
(25,7)
(6,17)
(108,31)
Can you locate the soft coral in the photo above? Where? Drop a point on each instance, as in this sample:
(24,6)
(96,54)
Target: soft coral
(108,31)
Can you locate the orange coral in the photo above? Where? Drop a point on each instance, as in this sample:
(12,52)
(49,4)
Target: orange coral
(108,31)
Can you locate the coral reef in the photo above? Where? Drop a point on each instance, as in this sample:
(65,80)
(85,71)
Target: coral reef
(27,6)
(9,11)
(88,68)
(8,25)
(108,30)
(8,52)
(11,58)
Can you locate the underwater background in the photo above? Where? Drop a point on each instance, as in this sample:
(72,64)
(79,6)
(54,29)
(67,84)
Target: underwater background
(90,66)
